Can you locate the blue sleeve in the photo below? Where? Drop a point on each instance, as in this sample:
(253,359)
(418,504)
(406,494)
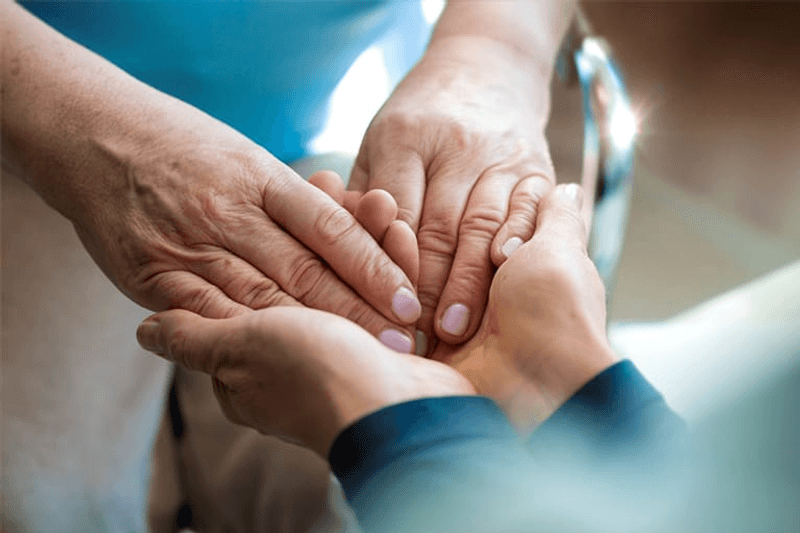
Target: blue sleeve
(616,414)
(456,463)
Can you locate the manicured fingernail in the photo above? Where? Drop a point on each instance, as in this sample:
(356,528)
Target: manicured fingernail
(422,343)
(147,335)
(511,246)
(395,340)
(405,305)
(572,193)
(455,319)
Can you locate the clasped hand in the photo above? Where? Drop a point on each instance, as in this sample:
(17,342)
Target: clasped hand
(306,375)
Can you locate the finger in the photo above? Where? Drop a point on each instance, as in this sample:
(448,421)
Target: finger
(188,339)
(445,200)
(400,244)
(330,182)
(183,289)
(460,307)
(330,231)
(375,212)
(351,200)
(560,217)
(237,278)
(401,173)
(521,221)
(305,279)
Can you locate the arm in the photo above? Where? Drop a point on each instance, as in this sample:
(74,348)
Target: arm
(460,144)
(456,463)
(532,30)
(178,209)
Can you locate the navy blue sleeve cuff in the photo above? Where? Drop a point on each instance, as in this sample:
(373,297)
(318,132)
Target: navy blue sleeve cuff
(408,428)
(615,412)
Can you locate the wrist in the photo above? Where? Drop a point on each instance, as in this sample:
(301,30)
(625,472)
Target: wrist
(531,31)
(531,383)
(405,378)
(485,55)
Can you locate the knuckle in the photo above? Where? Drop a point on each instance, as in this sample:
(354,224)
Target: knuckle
(405,214)
(530,193)
(333,224)
(306,277)
(469,280)
(261,295)
(375,268)
(200,300)
(482,223)
(438,235)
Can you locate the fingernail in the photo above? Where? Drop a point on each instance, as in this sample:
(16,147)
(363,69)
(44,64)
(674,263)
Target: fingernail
(422,343)
(455,319)
(405,305)
(147,335)
(572,193)
(511,246)
(395,340)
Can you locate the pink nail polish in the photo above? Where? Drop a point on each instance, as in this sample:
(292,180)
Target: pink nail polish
(511,246)
(405,305)
(455,319)
(395,340)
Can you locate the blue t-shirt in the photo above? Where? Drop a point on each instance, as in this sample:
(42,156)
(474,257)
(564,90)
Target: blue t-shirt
(266,68)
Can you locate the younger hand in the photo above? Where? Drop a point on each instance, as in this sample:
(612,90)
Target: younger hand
(300,374)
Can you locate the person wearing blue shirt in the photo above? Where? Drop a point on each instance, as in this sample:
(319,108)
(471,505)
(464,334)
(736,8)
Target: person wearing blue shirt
(532,423)
(162,131)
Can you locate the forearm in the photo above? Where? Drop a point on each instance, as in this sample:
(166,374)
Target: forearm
(71,120)
(436,464)
(615,414)
(532,30)
(453,464)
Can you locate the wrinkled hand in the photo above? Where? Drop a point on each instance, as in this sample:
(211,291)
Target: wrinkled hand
(460,146)
(302,374)
(543,334)
(541,339)
(205,220)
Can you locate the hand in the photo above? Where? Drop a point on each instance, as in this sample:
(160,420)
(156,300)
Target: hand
(212,223)
(300,374)
(542,338)
(543,334)
(460,146)
(178,209)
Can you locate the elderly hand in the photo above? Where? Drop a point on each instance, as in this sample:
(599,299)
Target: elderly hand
(211,223)
(302,374)
(460,146)
(541,339)
(178,209)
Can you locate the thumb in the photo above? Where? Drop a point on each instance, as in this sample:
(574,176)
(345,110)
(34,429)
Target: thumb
(560,216)
(183,337)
